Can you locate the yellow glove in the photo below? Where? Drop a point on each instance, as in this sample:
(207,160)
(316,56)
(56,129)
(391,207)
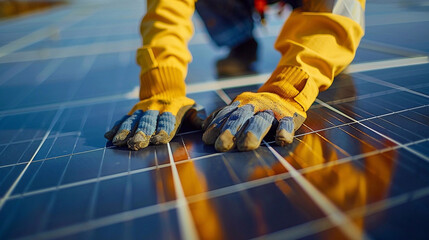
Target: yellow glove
(154,120)
(163,58)
(246,121)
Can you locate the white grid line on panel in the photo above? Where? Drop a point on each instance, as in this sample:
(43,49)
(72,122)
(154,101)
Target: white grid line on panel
(145,211)
(329,208)
(187,226)
(15,183)
(390,139)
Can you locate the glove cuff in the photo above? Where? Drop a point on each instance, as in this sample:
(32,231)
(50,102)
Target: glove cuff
(164,82)
(291,82)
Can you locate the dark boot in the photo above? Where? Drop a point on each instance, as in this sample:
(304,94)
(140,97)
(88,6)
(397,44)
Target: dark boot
(239,60)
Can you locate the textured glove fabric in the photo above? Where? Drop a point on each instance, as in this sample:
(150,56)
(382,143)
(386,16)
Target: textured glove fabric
(154,120)
(163,58)
(245,122)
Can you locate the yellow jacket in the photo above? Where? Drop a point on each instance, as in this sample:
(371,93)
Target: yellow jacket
(315,44)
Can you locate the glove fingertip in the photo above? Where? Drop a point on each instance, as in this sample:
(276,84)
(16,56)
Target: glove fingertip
(225,141)
(248,142)
(161,137)
(284,137)
(138,141)
(109,135)
(120,139)
(211,134)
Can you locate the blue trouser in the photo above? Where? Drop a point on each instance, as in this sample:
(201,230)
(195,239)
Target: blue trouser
(230,22)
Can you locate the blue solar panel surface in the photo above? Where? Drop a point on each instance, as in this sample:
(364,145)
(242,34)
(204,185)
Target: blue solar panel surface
(358,167)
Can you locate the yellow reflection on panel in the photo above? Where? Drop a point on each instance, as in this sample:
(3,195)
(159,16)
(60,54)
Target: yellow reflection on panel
(349,185)
(203,212)
(11,8)
(193,182)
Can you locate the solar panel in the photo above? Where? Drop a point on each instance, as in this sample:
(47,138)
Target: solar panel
(358,167)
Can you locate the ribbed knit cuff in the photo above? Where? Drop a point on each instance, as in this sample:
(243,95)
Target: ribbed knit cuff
(163,81)
(291,82)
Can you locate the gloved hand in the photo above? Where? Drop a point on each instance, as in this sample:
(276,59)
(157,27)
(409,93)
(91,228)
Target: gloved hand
(246,121)
(154,120)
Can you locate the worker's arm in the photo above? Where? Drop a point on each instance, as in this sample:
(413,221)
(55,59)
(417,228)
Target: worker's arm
(317,42)
(165,29)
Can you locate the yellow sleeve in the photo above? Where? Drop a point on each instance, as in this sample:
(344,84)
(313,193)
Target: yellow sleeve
(165,29)
(315,46)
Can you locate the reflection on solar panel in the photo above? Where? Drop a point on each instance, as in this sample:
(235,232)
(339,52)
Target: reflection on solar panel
(358,168)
